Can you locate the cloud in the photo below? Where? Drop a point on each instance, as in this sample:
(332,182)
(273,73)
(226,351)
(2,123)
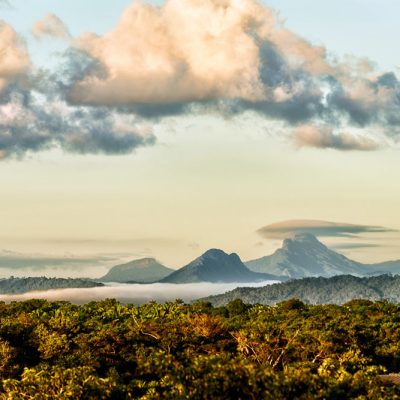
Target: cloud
(30,123)
(183,51)
(9,259)
(351,246)
(191,51)
(52,26)
(20,265)
(134,293)
(188,56)
(14,59)
(283,229)
(324,137)
(34,115)
(233,56)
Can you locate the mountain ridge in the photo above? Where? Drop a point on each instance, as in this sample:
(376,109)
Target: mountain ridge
(216,266)
(24,285)
(301,255)
(317,290)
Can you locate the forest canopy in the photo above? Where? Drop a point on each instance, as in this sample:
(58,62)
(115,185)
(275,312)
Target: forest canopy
(105,350)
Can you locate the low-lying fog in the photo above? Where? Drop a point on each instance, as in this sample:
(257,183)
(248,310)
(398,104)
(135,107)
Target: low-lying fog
(135,293)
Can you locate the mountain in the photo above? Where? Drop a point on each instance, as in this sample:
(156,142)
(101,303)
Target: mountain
(145,270)
(24,285)
(216,266)
(334,290)
(303,256)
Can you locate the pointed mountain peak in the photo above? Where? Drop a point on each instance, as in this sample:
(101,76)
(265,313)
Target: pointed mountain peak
(217,254)
(304,255)
(214,253)
(215,266)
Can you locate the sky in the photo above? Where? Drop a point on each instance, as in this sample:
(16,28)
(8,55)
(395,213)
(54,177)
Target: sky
(164,129)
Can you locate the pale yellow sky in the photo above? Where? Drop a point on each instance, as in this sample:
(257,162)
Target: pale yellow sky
(208,182)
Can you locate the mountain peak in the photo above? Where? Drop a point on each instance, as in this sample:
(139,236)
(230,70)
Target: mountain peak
(215,266)
(214,253)
(217,254)
(303,255)
(143,270)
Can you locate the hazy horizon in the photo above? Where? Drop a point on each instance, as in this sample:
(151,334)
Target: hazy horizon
(96,265)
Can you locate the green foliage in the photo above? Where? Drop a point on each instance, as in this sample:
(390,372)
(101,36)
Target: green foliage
(60,383)
(105,350)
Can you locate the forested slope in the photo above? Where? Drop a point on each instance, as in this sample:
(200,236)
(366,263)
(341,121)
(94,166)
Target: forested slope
(336,290)
(24,285)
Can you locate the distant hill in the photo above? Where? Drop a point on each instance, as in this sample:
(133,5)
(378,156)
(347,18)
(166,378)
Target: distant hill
(387,267)
(216,266)
(303,256)
(24,285)
(145,270)
(334,290)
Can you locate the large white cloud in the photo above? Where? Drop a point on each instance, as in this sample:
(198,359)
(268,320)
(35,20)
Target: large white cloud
(183,51)
(191,50)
